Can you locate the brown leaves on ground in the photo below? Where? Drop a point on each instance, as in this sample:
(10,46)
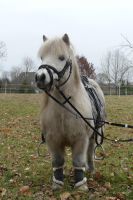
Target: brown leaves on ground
(25,190)
(119,196)
(24,174)
(6,131)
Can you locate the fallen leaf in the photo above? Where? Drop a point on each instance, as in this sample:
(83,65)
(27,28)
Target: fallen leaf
(103,189)
(98,176)
(27,169)
(38,196)
(25,190)
(49,193)
(112,174)
(65,196)
(52,198)
(120,196)
(77,197)
(92,184)
(11,180)
(2,192)
(2,170)
(111,198)
(107,185)
(92,197)
(33,157)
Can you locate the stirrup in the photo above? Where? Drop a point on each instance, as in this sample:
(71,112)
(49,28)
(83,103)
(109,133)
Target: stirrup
(99,158)
(38,149)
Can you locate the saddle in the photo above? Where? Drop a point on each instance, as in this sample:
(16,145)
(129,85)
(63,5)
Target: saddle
(97,103)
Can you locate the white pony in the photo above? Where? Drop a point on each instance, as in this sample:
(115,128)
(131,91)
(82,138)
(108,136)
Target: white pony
(59,69)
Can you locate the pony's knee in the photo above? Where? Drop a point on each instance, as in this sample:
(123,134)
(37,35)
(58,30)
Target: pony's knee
(79,153)
(79,161)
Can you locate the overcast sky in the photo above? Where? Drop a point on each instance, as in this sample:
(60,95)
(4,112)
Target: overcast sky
(94,26)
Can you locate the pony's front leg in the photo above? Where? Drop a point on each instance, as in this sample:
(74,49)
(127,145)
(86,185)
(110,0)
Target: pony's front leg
(79,152)
(58,164)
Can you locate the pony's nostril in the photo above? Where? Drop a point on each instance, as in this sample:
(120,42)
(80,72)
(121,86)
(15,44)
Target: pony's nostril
(42,77)
(36,78)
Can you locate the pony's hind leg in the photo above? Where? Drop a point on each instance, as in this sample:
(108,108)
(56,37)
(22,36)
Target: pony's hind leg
(90,154)
(79,152)
(58,164)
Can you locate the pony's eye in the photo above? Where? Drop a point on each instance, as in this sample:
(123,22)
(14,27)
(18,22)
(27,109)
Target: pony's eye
(41,58)
(61,58)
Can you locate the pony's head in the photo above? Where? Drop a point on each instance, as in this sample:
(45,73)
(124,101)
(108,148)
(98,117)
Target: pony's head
(57,57)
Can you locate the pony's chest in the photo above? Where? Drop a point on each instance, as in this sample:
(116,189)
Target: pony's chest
(68,124)
(64,122)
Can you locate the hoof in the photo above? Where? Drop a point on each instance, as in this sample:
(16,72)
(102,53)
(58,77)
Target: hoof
(56,186)
(90,169)
(82,185)
(83,188)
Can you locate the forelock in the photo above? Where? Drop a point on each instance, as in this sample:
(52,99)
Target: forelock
(54,46)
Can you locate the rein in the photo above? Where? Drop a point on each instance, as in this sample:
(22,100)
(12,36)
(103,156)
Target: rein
(67,100)
(74,111)
(77,114)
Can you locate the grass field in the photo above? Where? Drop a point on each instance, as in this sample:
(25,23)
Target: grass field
(24,175)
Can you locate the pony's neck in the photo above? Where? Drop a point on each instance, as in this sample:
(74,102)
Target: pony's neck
(76,73)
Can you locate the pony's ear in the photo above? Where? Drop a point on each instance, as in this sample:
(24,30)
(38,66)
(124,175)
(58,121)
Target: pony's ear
(44,38)
(66,39)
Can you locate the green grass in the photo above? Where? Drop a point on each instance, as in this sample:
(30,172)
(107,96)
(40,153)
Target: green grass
(20,166)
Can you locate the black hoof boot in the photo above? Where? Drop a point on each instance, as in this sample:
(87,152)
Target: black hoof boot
(58,178)
(80,180)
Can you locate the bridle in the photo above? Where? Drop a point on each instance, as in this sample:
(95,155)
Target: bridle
(60,74)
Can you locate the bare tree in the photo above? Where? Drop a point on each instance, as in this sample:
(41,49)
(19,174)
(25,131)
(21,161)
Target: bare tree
(116,66)
(28,64)
(127,43)
(102,78)
(3,51)
(15,73)
(106,65)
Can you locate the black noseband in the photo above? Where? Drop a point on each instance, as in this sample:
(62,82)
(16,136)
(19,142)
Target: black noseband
(60,74)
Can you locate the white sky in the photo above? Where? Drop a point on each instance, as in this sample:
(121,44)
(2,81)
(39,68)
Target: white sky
(94,26)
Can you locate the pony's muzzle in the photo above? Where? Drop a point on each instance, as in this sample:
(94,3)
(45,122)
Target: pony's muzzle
(40,81)
(44,79)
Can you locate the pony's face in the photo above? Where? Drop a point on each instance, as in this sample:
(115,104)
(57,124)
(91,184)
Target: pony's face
(54,54)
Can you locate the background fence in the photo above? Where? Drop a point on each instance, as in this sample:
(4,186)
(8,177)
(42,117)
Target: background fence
(121,90)
(20,88)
